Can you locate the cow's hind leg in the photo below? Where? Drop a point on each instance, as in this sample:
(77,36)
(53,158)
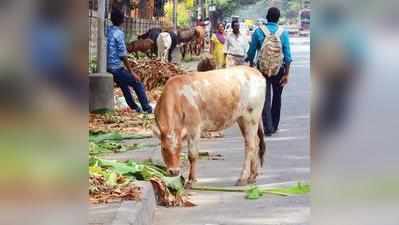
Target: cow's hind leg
(254,162)
(249,171)
(193,155)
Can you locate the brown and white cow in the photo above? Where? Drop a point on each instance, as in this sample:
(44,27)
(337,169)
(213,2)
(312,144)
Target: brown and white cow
(212,101)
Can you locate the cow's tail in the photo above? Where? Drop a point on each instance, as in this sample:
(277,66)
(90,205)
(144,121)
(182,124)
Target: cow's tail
(262,144)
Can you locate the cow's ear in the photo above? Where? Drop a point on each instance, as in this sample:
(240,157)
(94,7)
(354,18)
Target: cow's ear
(155,131)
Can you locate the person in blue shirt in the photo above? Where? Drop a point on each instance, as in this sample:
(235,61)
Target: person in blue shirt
(118,65)
(272,107)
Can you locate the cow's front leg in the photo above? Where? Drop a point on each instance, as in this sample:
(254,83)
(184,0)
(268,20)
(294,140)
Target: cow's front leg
(193,155)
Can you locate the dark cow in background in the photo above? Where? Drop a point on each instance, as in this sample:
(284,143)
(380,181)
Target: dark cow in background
(152,34)
(175,42)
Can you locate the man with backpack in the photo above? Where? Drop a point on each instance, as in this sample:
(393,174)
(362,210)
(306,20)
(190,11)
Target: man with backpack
(270,43)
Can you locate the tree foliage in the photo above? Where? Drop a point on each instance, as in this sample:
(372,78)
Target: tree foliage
(184,9)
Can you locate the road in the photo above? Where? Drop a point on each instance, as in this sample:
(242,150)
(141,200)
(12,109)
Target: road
(287,162)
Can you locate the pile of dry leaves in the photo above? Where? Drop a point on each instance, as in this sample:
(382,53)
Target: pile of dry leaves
(101,192)
(168,199)
(154,73)
(121,121)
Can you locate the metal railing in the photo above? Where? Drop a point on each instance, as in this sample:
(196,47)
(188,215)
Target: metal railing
(132,27)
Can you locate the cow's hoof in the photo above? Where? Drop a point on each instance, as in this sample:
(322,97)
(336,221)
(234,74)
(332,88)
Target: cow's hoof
(252,180)
(189,184)
(241,182)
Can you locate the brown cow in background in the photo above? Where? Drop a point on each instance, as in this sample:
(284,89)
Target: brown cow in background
(145,46)
(192,40)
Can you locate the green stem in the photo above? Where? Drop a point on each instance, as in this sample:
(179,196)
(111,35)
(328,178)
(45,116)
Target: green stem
(219,189)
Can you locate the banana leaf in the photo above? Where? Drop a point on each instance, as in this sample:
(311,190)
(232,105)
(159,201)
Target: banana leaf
(114,136)
(175,184)
(121,168)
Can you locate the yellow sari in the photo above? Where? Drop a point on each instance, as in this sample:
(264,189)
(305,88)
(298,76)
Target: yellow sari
(218,51)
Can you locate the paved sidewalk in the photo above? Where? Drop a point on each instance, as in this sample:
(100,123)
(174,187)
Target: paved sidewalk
(126,212)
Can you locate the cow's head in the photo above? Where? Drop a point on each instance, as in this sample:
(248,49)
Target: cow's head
(171,143)
(130,47)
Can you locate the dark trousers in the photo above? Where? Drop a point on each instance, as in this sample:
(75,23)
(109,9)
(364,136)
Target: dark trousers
(272,107)
(124,79)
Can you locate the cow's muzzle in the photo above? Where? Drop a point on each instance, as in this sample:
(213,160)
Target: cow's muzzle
(174,172)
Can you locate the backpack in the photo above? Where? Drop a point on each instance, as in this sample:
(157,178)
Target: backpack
(271,54)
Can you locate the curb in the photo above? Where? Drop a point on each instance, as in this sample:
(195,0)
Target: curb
(137,213)
(127,212)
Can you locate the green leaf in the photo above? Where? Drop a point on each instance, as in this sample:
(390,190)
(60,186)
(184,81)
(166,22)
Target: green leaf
(95,170)
(174,184)
(111,179)
(254,192)
(299,189)
(121,168)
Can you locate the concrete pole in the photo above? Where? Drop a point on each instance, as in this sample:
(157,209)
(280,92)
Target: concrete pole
(101,84)
(175,15)
(202,9)
(101,42)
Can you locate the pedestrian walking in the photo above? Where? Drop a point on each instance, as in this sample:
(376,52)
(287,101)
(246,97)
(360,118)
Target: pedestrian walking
(235,47)
(271,44)
(118,65)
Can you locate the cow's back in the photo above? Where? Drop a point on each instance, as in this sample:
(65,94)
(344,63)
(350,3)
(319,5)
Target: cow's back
(215,99)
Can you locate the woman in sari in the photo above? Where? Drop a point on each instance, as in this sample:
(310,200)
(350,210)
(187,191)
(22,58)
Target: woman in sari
(217,46)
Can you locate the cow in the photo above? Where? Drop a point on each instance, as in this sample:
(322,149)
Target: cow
(207,63)
(185,37)
(175,41)
(211,101)
(199,40)
(153,34)
(144,46)
(192,40)
(164,43)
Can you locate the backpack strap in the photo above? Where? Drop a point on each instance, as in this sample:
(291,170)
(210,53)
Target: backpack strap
(279,31)
(265,30)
